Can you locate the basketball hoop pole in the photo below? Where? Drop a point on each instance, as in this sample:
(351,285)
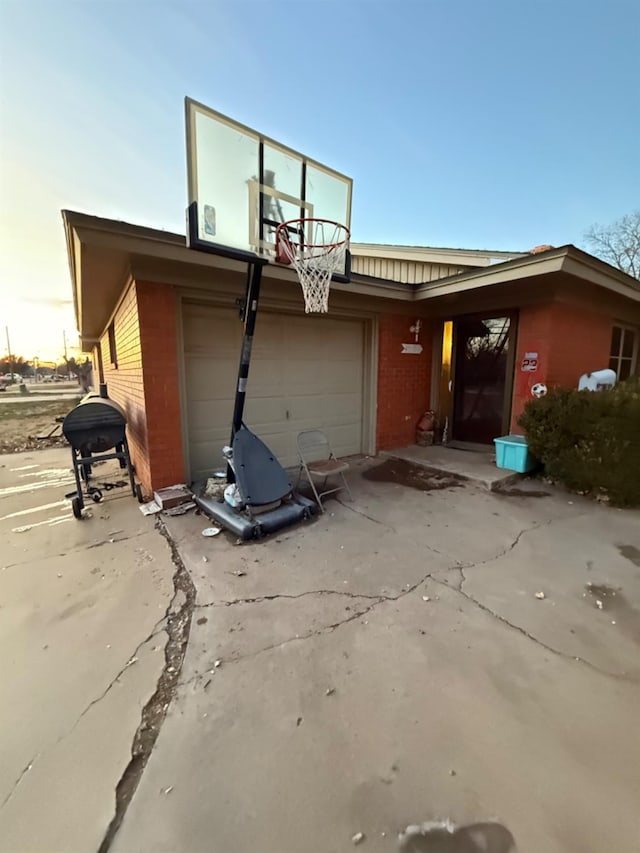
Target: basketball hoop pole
(250,311)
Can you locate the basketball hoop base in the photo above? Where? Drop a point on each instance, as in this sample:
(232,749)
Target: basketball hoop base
(316,248)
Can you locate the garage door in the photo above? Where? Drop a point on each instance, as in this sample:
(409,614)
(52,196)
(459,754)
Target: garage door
(305,372)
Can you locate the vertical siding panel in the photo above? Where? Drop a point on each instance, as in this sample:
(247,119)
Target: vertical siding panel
(404,271)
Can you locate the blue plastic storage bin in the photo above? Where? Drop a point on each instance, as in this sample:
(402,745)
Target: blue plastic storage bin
(512,453)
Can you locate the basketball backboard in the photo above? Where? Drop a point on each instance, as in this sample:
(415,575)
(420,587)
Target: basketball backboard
(242,185)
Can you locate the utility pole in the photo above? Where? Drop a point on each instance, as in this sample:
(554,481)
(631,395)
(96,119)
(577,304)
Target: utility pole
(9,353)
(64,339)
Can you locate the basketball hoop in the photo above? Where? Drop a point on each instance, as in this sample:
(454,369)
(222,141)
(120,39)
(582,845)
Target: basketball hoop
(316,248)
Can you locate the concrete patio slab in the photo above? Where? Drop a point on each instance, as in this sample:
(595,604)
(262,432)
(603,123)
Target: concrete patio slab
(477,466)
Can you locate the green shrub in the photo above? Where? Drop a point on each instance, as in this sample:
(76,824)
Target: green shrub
(590,441)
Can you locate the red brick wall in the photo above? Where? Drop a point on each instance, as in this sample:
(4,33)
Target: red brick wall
(145,328)
(403,381)
(569,341)
(159,336)
(582,343)
(124,380)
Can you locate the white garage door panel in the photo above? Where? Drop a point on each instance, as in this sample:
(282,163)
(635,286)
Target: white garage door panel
(207,384)
(305,372)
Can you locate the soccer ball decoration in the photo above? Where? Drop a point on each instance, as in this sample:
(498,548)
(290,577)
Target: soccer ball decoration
(539,389)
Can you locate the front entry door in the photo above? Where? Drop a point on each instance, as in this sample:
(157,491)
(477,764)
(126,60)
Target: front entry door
(481,382)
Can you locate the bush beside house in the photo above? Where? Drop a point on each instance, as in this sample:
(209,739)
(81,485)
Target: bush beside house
(589,441)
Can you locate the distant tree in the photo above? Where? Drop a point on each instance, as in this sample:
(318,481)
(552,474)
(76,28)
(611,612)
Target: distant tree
(618,244)
(15,364)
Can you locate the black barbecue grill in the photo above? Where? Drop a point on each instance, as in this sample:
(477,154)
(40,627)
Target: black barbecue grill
(95,427)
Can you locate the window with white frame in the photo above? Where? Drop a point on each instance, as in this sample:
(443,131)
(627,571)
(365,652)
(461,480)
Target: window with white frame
(623,357)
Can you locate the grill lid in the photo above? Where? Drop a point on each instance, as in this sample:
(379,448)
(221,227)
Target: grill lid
(93,413)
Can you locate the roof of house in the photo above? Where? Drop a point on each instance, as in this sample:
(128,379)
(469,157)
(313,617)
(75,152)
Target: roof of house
(102,253)
(434,254)
(568,259)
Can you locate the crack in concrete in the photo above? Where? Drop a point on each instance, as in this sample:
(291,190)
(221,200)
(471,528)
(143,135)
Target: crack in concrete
(532,637)
(157,629)
(81,548)
(178,625)
(111,541)
(325,629)
(462,580)
(365,515)
(515,542)
(21,776)
(383,524)
(275,596)
(461,566)
(382,598)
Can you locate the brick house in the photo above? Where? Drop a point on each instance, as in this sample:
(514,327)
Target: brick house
(465,333)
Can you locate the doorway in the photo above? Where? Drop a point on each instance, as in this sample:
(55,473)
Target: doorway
(482,377)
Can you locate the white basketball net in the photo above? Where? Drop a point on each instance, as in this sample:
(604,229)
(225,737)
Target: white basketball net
(316,260)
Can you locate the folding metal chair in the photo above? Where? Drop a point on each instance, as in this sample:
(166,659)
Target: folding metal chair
(318,460)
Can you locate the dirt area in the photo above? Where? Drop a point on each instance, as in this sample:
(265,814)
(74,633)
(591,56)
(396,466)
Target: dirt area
(22,424)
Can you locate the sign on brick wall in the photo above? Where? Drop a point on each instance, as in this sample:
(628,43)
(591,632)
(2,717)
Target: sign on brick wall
(529,363)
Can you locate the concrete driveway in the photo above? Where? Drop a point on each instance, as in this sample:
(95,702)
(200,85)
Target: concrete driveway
(391,663)
(83,619)
(386,664)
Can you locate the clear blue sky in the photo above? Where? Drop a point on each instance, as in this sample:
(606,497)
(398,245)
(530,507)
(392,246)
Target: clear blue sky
(499,124)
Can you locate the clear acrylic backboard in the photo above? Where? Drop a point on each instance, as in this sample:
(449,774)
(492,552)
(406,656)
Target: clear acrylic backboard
(242,185)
